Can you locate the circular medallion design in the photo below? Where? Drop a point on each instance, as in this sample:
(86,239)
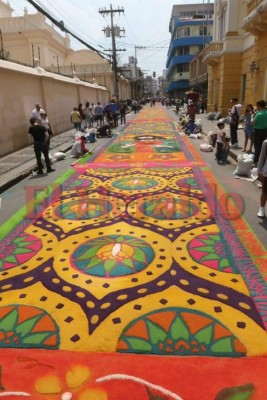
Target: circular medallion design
(209,250)
(19,251)
(113,256)
(179,332)
(27,327)
(83,209)
(168,207)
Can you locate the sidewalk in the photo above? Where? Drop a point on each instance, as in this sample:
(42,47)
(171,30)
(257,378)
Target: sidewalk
(18,165)
(211,125)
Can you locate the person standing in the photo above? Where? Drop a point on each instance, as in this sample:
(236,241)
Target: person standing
(191,110)
(259,123)
(262,172)
(40,145)
(98,114)
(248,128)
(113,107)
(123,109)
(44,121)
(36,112)
(76,119)
(235,113)
(81,112)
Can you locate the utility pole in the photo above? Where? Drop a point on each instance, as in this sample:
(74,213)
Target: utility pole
(113,31)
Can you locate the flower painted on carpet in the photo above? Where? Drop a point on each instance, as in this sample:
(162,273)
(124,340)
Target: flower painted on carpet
(27,327)
(113,256)
(19,251)
(80,184)
(179,332)
(210,250)
(75,385)
(188,183)
(137,183)
(168,208)
(83,209)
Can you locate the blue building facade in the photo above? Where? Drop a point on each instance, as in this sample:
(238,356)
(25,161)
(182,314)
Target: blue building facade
(189,36)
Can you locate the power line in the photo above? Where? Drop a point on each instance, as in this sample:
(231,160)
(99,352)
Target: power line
(61,25)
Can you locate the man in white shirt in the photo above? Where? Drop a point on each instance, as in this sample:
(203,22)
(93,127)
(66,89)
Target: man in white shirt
(235,113)
(36,113)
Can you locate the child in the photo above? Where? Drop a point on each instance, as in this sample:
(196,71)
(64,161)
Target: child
(226,149)
(220,142)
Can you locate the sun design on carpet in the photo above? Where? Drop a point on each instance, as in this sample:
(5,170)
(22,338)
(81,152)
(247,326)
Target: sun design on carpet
(179,332)
(22,249)
(27,327)
(113,256)
(210,250)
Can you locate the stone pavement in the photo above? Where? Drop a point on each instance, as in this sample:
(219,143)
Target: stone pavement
(16,166)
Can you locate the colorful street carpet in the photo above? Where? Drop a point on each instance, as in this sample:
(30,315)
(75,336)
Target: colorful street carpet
(134,276)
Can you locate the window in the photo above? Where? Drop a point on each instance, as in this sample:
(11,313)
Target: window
(222,24)
(181,32)
(182,68)
(203,31)
(181,51)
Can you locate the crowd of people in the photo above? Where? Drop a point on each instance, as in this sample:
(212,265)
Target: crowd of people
(91,115)
(255,134)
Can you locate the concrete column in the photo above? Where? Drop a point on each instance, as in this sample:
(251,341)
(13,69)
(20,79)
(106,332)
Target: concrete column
(232,19)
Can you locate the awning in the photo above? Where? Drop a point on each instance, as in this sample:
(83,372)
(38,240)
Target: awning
(181,84)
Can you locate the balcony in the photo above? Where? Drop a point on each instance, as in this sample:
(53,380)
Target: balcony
(212,53)
(256,21)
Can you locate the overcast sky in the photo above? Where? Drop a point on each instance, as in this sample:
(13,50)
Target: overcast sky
(146,24)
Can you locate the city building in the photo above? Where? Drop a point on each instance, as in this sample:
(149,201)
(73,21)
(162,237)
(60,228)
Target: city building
(30,40)
(191,30)
(163,84)
(135,75)
(237,56)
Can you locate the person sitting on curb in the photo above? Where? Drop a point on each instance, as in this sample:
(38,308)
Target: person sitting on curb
(78,148)
(40,145)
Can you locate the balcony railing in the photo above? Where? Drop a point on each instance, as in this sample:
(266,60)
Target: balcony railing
(256,20)
(213,52)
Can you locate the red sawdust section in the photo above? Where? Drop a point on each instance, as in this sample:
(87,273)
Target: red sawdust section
(191,378)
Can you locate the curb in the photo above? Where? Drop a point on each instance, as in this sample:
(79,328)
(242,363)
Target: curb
(24,174)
